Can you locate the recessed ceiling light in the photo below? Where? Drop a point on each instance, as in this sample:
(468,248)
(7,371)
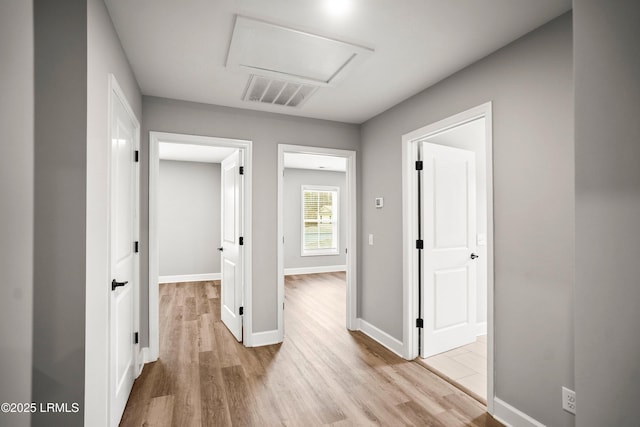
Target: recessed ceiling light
(338,7)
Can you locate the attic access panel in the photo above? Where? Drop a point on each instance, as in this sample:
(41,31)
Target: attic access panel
(284,53)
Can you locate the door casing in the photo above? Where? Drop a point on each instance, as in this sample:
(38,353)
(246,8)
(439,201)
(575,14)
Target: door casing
(410,232)
(154,255)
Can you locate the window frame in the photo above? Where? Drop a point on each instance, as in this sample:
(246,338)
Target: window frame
(336,221)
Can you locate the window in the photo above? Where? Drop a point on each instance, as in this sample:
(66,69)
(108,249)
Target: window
(319,220)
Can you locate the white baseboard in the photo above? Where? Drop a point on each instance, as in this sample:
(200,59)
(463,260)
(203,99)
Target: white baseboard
(481,328)
(381,337)
(146,355)
(258,339)
(512,417)
(143,357)
(189,278)
(313,270)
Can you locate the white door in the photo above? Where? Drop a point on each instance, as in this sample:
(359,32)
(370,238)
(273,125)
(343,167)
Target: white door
(123,286)
(449,234)
(231,256)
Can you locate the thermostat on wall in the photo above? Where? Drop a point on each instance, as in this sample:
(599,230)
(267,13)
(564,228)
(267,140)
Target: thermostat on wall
(379,202)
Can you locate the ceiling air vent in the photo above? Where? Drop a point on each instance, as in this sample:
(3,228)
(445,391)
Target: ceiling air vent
(278,92)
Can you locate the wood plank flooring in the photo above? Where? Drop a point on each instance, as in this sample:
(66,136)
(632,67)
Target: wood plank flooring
(321,375)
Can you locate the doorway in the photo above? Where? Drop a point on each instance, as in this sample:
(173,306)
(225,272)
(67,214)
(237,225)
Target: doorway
(233,245)
(321,203)
(448,236)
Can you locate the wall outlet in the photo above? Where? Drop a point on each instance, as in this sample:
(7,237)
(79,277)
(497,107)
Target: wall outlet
(569,400)
(371,239)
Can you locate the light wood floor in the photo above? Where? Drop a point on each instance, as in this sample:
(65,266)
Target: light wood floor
(321,375)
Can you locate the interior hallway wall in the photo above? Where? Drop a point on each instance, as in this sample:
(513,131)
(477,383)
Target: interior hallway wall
(293,181)
(607,156)
(16,208)
(531,86)
(266,130)
(60,194)
(189,218)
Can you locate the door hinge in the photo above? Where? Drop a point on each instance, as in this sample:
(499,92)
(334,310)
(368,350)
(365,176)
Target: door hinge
(135,338)
(136,247)
(420,244)
(241,311)
(419,165)
(241,241)
(136,156)
(241,170)
(419,323)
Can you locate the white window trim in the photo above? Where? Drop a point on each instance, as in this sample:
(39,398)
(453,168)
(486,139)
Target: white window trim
(320,252)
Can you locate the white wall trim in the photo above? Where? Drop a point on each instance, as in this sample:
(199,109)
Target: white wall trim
(154,255)
(481,328)
(145,355)
(350,220)
(314,270)
(381,337)
(410,226)
(203,277)
(510,416)
(259,339)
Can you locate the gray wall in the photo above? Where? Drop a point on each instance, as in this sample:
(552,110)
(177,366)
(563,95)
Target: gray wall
(105,55)
(294,179)
(530,84)
(607,161)
(189,217)
(266,130)
(16,208)
(60,206)
(471,137)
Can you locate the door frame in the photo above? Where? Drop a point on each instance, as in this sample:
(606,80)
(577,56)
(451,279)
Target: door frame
(154,255)
(410,231)
(116,91)
(352,241)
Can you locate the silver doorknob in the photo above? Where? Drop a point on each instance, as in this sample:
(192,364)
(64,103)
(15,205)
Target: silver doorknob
(474,256)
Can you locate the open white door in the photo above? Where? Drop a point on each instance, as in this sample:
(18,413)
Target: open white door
(123,286)
(232,240)
(449,273)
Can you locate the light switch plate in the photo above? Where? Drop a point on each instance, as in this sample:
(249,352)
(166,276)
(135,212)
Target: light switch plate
(379,202)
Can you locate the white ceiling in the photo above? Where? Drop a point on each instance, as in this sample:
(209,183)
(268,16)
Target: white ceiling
(178,49)
(314,161)
(193,153)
